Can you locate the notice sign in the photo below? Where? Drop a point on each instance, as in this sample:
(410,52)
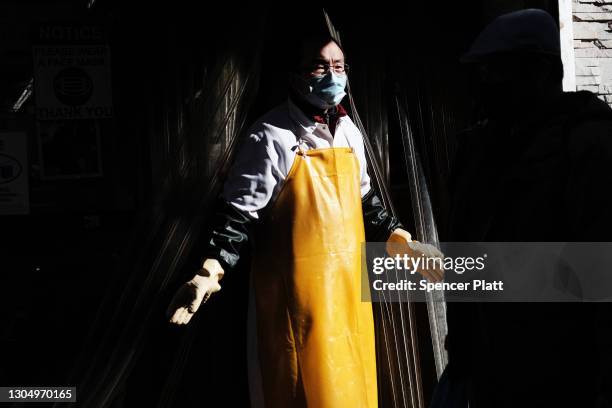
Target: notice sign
(14,197)
(72,82)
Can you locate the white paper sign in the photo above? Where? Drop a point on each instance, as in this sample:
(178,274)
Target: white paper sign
(14,197)
(72,82)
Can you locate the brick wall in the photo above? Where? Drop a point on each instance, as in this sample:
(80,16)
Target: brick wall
(592,26)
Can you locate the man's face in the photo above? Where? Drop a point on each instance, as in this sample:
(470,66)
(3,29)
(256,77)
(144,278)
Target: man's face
(318,60)
(508,84)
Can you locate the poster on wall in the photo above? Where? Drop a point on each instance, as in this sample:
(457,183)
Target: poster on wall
(69,149)
(14,186)
(72,82)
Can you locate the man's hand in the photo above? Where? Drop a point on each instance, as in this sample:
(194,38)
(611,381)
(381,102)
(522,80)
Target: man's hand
(192,294)
(400,243)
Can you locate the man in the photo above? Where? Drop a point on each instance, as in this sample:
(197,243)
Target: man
(537,166)
(300,192)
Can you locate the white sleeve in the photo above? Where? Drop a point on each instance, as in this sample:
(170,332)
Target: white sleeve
(254,176)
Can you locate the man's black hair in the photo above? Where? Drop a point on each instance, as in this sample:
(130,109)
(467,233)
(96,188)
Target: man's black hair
(309,32)
(309,44)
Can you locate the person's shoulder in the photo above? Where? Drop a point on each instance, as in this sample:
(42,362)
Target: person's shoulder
(347,121)
(276,118)
(589,125)
(583,107)
(274,124)
(351,130)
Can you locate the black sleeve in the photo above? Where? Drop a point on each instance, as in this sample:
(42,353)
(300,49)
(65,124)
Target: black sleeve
(228,234)
(230,229)
(378,223)
(589,200)
(588,194)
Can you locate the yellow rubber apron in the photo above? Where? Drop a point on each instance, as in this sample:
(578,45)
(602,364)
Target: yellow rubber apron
(315,337)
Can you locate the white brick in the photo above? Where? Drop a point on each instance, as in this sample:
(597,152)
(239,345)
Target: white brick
(587,62)
(591,88)
(608,98)
(606,43)
(593,16)
(590,8)
(591,30)
(584,44)
(592,53)
(588,80)
(601,44)
(605,89)
(585,71)
(606,70)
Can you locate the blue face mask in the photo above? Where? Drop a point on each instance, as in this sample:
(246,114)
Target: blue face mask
(326,91)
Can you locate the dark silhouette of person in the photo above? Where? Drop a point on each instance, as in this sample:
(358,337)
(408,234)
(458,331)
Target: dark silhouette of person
(535,167)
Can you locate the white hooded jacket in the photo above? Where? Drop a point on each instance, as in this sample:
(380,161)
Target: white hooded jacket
(267,154)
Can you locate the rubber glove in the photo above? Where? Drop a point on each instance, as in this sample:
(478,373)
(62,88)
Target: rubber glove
(192,294)
(400,242)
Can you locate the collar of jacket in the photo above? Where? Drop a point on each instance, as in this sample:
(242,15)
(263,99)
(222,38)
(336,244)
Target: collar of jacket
(308,116)
(309,123)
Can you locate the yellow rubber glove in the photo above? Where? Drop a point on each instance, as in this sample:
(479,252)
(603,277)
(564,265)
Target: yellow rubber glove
(192,294)
(400,242)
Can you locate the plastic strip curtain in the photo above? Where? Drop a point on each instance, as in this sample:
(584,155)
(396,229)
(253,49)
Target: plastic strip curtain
(399,376)
(227,110)
(165,233)
(425,229)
